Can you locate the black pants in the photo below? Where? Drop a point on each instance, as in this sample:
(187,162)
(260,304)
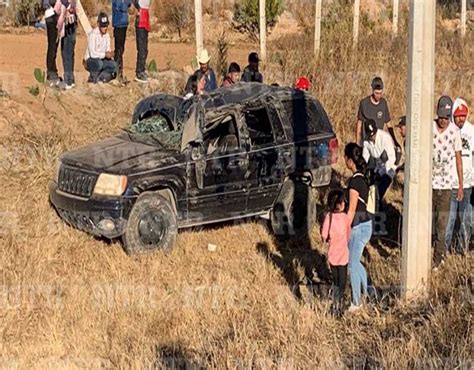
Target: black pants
(339,279)
(68,45)
(52,32)
(120,35)
(142,49)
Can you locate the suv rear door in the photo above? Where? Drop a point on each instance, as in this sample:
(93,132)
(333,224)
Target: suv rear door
(269,155)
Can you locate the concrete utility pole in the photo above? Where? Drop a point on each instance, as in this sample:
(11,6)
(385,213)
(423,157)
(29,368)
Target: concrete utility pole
(355,27)
(263,31)
(198,20)
(395,18)
(81,14)
(317,28)
(417,216)
(463,17)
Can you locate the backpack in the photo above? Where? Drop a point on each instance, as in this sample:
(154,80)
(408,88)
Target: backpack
(372,197)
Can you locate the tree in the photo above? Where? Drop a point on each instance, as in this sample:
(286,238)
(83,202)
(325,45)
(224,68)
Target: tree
(246,15)
(178,13)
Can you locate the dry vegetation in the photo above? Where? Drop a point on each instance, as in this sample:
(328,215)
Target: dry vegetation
(68,300)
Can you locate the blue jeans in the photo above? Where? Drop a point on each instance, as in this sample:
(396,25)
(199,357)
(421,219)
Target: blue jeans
(68,44)
(101,69)
(360,236)
(463,209)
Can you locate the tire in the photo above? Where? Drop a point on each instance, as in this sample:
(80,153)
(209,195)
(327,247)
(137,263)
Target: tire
(294,212)
(151,226)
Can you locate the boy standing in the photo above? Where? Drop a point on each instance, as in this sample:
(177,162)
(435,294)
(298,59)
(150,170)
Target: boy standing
(373,107)
(142,27)
(51,19)
(120,24)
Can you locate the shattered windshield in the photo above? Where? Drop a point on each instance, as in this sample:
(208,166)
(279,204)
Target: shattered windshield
(155,130)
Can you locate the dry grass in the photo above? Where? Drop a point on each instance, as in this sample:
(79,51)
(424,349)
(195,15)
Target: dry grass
(71,301)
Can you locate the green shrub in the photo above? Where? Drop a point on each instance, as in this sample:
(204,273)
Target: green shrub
(246,15)
(26,11)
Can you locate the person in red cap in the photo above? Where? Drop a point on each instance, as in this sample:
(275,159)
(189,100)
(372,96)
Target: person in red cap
(463,207)
(302,83)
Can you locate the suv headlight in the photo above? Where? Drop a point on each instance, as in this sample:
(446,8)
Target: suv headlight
(110,184)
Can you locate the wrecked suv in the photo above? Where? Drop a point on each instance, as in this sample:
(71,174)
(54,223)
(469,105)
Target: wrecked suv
(250,150)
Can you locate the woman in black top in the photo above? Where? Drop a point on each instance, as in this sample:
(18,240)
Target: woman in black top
(360,219)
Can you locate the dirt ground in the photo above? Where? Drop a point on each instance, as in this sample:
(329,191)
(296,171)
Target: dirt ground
(20,54)
(68,300)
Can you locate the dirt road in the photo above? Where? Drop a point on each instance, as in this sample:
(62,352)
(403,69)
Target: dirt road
(20,54)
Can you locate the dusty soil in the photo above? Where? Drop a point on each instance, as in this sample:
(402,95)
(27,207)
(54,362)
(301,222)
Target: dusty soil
(68,300)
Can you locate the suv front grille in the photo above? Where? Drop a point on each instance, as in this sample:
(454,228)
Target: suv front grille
(75,181)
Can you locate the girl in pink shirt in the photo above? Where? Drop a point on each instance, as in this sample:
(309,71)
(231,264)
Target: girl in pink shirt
(337,232)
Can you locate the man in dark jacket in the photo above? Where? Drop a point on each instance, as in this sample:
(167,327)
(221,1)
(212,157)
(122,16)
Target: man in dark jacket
(204,73)
(251,73)
(120,24)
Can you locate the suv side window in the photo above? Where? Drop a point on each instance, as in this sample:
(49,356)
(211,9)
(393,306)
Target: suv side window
(307,117)
(222,138)
(259,127)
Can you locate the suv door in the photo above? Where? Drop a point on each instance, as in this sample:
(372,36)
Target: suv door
(270,155)
(224,169)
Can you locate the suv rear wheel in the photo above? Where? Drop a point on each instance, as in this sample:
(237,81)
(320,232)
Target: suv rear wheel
(294,212)
(151,226)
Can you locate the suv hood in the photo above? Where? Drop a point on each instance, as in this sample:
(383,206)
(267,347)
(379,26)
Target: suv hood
(118,155)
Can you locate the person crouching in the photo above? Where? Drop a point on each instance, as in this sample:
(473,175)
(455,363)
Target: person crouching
(99,57)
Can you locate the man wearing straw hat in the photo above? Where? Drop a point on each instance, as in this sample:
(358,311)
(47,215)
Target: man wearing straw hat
(204,73)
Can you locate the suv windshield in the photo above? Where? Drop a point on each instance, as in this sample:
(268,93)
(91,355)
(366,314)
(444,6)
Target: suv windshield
(155,129)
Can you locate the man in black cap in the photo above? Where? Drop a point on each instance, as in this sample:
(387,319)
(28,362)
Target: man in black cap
(372,107)
(98,59)
(251,73)
(447,145)
(379,153)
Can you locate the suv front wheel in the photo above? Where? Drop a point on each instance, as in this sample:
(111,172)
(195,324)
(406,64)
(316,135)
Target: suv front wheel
(151,226)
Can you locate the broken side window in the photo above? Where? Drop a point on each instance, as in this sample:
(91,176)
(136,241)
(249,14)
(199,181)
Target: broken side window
(221,136)
(259,127)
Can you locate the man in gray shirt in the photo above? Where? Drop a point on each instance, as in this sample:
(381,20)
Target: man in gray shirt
(372,107)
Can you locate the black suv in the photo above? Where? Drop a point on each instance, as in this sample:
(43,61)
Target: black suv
(249,150)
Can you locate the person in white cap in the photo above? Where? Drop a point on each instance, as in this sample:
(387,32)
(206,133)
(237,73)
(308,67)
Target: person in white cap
(204,73)
(460,116)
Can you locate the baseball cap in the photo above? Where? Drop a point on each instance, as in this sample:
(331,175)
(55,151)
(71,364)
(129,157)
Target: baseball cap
(461,111)
(103,20)
(445,105)
(377,83)
(253,58)
(370,127)
(402,122)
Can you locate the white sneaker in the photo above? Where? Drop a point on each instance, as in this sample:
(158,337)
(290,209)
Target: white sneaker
(69,87)
(353,308)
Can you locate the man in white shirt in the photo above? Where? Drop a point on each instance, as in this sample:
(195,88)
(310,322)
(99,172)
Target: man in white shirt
(446,146)
(463,208)
(379,153)
(99,57)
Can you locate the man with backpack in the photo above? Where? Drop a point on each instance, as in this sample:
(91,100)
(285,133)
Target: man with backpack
(379,152)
